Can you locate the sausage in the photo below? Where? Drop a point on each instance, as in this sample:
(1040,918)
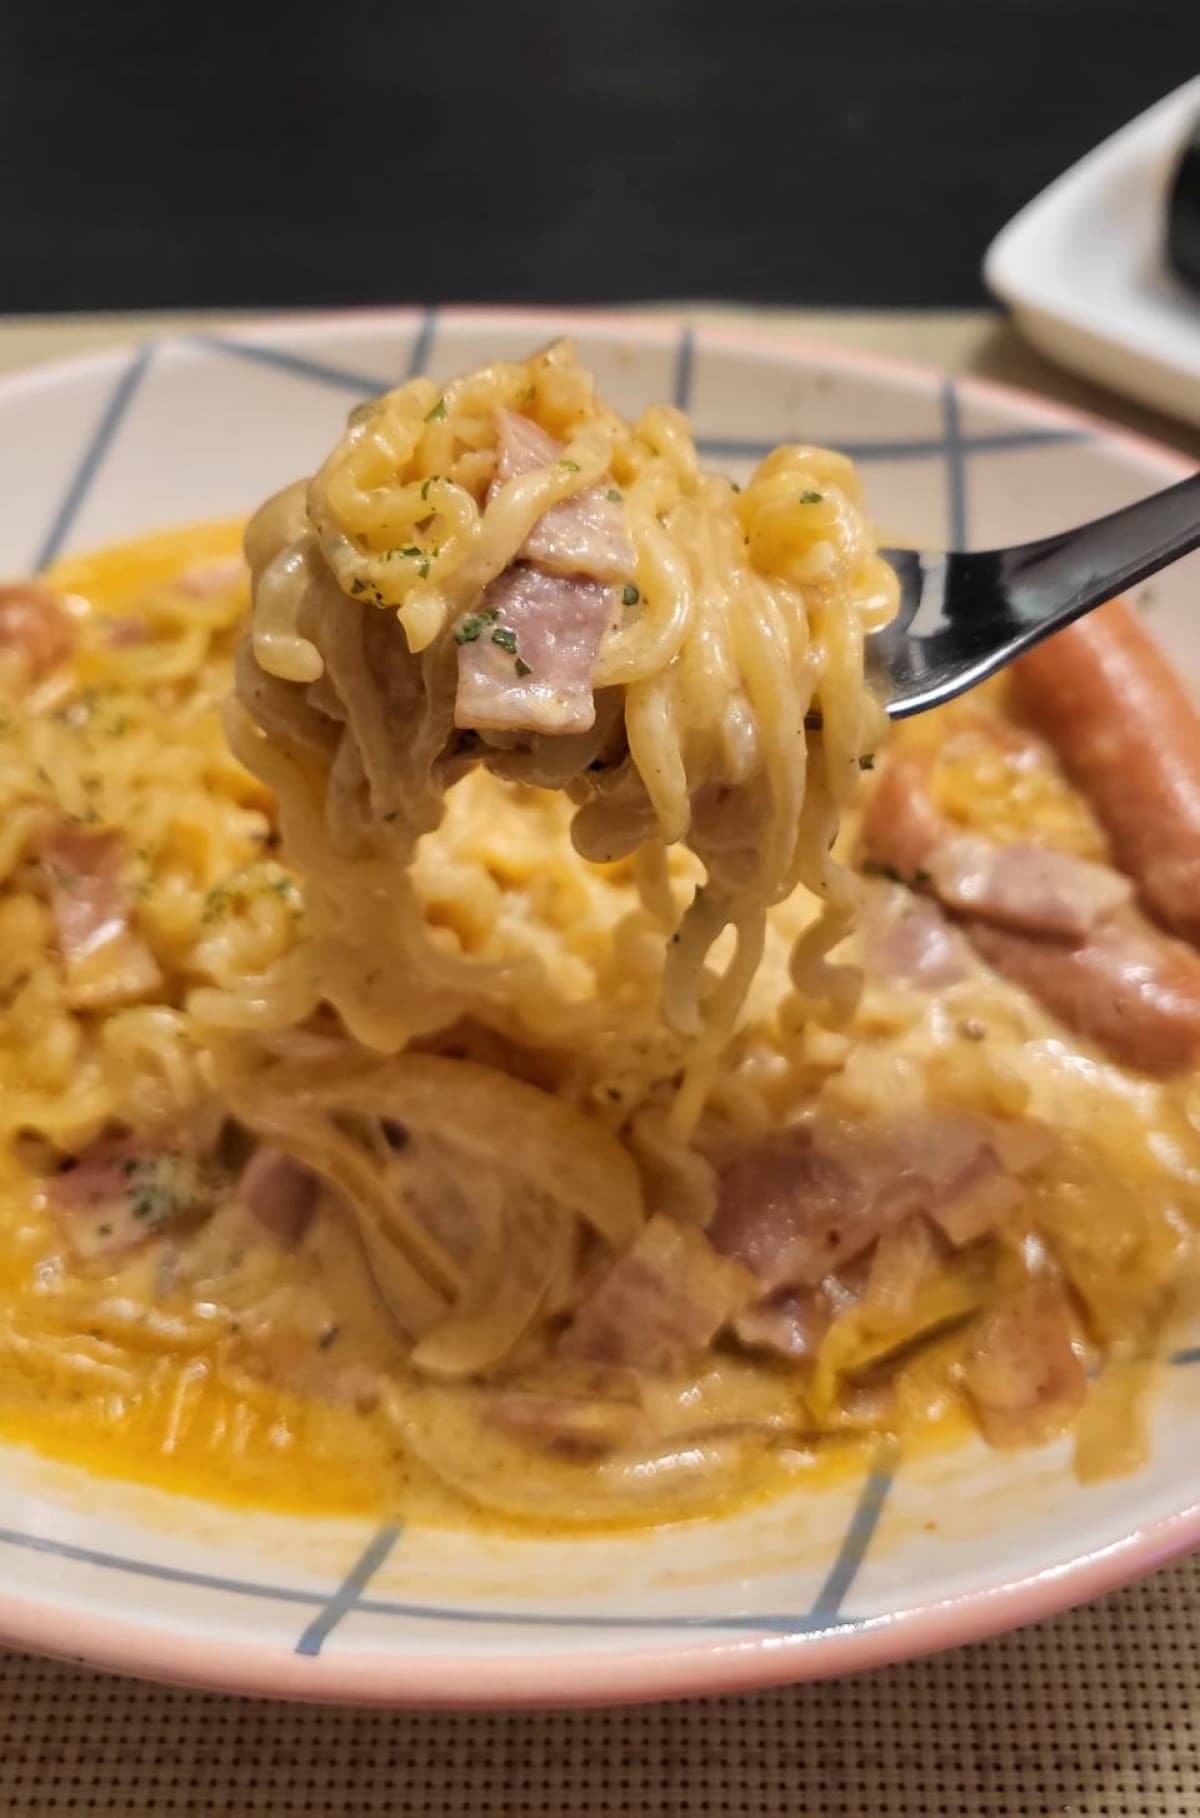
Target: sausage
(1128,734)
(901,826)
(1128,988)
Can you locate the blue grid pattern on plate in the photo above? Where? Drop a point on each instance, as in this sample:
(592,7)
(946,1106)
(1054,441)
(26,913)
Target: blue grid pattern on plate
(952,446)
(330,1609)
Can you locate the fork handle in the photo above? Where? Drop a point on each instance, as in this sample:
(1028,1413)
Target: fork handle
(1053,581)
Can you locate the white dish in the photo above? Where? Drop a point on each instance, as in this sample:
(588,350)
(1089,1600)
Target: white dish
(921,1554)
(1084,271)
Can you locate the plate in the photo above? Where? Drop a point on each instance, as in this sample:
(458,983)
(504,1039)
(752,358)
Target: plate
(1084,270)
(912,1554)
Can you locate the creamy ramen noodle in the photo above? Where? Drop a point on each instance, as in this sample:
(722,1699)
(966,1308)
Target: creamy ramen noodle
(483,1035)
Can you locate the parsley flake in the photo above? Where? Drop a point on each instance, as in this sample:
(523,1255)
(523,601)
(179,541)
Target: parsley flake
(438,413)
(474,625)
(630,594)
(811,498)
(522,667)
(569,466)
(414,554)
(506,638)
(613,496)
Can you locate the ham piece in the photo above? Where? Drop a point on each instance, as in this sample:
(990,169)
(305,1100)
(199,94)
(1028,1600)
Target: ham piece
(527,651)
(798,1207)
(120,1191)
(585,534)
(660,1305)
(106,963)
(527,654)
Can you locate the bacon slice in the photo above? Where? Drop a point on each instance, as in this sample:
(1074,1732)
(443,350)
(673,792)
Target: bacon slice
(799,1207)
(34,624)
(586,534)
(791,1214)
(1026,887)
(1130,989)
(119,1192)
(660,1305)
(527,653)
(1031,888)
(1128,733)
(1023,1374)
(106,963)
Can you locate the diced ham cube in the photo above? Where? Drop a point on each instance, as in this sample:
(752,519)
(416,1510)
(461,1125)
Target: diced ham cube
(791,1214)
(660,1305)
(119,1192)
(585,534)
(527,654)
(105,962)
(800,1206)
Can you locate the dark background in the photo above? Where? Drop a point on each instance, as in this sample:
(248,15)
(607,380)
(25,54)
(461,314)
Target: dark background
(852,152)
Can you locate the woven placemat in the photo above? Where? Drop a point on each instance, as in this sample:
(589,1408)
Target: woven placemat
(1096,1715)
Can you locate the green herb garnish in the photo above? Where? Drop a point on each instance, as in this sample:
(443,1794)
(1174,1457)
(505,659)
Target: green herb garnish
(569,466)
(522,667)
(217,904)
(613,496)
(438,413)
(811,498)
(506,638)
(630,594)
(413,554)
(474,625)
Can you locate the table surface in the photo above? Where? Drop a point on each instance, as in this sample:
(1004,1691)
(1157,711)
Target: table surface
(1094,1715)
